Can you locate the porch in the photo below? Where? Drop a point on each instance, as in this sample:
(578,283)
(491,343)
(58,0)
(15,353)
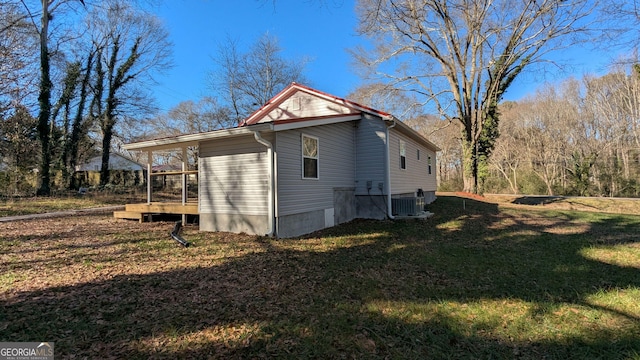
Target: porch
(178,192)
(141,212)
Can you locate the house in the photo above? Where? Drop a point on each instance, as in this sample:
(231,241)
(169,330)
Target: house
(116,162)
(305,161)
(124,171)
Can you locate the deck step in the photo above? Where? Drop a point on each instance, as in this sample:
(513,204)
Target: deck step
(133,215)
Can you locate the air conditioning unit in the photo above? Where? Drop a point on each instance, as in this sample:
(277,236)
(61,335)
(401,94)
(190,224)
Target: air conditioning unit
(406,206)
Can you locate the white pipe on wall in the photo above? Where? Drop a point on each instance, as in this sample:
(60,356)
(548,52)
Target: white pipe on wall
(388,164)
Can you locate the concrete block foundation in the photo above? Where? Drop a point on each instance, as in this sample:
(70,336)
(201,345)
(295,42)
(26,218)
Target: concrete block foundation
(371,207)
(236,223)
(300,224)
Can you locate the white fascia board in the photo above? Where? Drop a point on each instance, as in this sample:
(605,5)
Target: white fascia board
(318,122)
(180,141)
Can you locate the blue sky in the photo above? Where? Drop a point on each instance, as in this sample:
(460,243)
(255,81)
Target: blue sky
(303,28)
(321,30)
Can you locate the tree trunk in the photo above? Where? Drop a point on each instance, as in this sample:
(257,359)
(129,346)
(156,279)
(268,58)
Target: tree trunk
(108,123)
(515,180)
(512,184)
(106,145)
(470,165)
(548,182)
(44,101)
(76,127)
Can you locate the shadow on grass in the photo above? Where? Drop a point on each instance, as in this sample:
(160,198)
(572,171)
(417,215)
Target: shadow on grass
(387,290)
(536,200)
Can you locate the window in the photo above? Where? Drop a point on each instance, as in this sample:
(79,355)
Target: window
(418,156)
(429,164)
(403,155)
(309,157)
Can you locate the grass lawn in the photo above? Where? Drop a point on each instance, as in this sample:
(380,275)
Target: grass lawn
(481,282)
(74,201)
(38,205)
(592,204)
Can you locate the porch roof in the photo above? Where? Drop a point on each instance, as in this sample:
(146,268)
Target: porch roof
(180,141)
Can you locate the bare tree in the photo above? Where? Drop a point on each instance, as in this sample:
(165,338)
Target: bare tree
(41,23)
(18,50)
(461,56)
(383,97)
(548,124)
(18,143)
(248,80)
(613,104)
(189,117)
(69,119)
(506,159)
(447,135)
(131,46)
(576,137)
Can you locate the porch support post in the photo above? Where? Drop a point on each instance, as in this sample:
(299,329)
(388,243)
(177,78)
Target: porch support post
(184,182)
(149,168)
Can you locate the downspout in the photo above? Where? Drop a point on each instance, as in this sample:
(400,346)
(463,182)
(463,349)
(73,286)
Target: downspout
(269,146)
(388,165)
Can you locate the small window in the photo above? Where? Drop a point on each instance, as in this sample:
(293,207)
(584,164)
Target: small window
(309,157)
(418,155)
(429,164)
(403,155)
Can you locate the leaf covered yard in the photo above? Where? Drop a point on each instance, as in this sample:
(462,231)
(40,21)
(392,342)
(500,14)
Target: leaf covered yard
(481,281)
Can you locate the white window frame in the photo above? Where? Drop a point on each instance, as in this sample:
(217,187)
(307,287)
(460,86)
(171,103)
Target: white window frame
(403,154)
(317,157)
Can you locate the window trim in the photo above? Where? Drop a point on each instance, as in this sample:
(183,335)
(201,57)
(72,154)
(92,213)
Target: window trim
(429,164)
(303,157)
(403,146)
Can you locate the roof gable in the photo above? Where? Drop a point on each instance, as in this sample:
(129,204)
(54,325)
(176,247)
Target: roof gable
(298,102)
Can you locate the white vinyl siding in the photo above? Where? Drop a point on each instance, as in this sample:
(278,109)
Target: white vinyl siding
(370,155)
(416,175)
(234,175)
(336,168)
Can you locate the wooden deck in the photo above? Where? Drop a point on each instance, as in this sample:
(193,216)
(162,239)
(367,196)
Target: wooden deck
(140,211)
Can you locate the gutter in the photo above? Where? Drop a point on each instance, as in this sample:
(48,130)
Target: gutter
(269,146)
(388,165)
